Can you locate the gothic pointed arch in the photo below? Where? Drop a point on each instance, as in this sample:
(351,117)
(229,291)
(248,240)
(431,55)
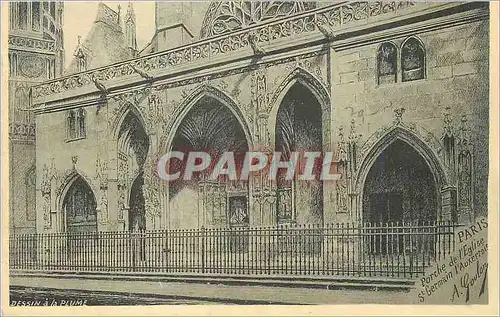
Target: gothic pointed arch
(298,118)
(305,78)
(300,76)
(205,91)
(119,118)
(401,133)
(133,149)
(387,63)
(208,121)
(413,59)
(79,205)
(400,179)
(66,179)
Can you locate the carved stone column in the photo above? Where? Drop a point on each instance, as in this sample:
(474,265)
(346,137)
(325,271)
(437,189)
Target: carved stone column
(262,190)
(101,177)
(465,175)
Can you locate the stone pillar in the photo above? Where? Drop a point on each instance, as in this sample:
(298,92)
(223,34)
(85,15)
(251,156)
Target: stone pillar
(340,196)
(448,204)
(263,202)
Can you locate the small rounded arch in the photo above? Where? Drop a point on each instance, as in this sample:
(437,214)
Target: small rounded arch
(191,101)
(402,134)
(413,59)
(81,122)
(387,62)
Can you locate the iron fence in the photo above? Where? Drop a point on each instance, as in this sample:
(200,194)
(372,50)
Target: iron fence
(386,249)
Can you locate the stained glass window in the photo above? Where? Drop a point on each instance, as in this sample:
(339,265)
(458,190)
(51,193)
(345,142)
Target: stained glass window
(387,63)
(35,15)
(23,15)
(80,119)
(413,60)
(71,125)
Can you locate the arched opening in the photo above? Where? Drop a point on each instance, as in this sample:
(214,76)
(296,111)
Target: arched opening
(387,61)
(30,181)
(413,60)
(210,127)
(137,211)
(399,187)
(79,207)
(133,147)
(299,129)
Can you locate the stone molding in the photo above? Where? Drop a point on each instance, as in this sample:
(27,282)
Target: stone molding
(337,16)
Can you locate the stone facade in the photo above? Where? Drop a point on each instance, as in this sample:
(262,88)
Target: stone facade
(332,53)
(35,54)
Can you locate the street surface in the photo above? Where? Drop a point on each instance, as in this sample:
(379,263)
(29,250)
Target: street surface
(123,292)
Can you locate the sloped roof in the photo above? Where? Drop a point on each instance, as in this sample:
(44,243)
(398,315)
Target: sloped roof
(104,44)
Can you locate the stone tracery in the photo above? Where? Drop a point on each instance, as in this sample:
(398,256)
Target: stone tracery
(227,16)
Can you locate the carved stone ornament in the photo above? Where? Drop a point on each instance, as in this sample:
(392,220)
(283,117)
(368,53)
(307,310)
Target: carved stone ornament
(288,26)
(398,115)
(103,211)
(135,98)
(102,173)
(45,183)
(47,217)
(32,66)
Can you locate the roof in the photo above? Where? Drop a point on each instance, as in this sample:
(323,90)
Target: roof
(104,44)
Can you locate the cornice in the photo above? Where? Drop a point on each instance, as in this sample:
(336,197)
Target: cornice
(32,45)
(164,66)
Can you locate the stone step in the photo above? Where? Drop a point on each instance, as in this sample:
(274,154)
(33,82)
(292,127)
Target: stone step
(319,282)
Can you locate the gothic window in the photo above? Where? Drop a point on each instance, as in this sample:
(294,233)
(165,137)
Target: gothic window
(13,15)
(76,124)
(80,120)
(449,147)
(413,60)
(23,15)
(53,9)
(82,62)
(71,125)
(387,63)
(31,194)
(35,15)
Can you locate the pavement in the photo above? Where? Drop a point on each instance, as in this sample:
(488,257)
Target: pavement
(202,293)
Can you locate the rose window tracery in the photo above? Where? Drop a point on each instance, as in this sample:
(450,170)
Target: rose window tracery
(226,16)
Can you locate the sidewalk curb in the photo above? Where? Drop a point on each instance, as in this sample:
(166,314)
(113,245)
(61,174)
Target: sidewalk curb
(311,282)
(214,300)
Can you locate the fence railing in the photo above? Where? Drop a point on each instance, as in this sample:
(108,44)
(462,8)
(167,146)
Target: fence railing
(386,249)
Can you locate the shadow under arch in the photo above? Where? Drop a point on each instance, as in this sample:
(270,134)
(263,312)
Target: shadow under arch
(191,101)
(306,79)
(134,148)
(75,194)
(405,136)
(299,122)
(208,121)
(124,111)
